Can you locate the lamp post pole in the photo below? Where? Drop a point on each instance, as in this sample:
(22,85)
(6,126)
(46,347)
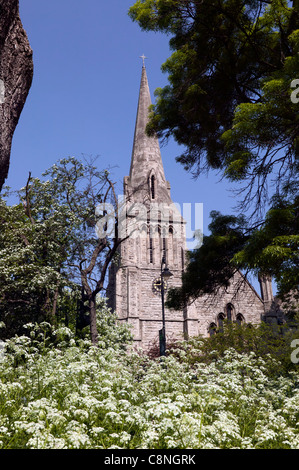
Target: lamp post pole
(165,273)
(162,332)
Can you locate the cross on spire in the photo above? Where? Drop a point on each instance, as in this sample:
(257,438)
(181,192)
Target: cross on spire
(143,58)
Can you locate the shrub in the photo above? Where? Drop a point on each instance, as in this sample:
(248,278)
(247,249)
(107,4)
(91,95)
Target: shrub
(265,341)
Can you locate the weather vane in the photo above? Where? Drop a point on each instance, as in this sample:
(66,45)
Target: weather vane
(143,58)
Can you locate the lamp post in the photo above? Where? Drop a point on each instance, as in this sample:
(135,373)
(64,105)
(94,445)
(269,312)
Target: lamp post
(165,274)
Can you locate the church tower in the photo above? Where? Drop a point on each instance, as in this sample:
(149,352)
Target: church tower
(154,237)
(156,234)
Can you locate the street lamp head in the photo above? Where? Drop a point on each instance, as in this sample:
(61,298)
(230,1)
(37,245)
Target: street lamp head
(166,273)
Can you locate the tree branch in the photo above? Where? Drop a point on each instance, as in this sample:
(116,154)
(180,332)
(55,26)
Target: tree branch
(26,203)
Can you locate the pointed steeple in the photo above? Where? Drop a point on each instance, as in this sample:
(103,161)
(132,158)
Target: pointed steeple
(147,178)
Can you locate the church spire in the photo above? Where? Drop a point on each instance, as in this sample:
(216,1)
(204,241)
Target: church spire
(146,173)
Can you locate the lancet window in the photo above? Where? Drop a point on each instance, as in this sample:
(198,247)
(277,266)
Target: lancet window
(153,186)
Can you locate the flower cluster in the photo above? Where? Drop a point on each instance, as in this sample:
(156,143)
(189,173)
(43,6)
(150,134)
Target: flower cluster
(75,396)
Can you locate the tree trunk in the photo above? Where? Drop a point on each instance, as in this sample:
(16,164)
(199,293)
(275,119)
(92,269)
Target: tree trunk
(54,306)
(93,321)
(16,72)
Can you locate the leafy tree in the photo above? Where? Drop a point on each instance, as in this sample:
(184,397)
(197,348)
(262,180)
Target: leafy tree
(210,266)
(273,248)
(50,246)
(228,101)
(80,189)
(270,248)
(31,259)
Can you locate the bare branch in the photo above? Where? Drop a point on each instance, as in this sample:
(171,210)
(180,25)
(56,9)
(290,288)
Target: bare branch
(26,203)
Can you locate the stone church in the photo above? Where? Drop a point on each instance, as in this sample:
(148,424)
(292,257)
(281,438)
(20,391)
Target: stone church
(134,287)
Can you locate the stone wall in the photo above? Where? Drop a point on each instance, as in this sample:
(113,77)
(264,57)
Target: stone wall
(240,294)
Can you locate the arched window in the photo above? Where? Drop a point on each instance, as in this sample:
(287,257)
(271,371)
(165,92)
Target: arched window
(229,312)
(212,329)
(153,182)
(151,250)
(164,250)
(162,235)
(220,320)
(240,319)
(170,246)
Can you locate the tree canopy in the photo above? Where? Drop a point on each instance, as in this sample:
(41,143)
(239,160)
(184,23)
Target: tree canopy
(272,249)
(209,266)
(228,101)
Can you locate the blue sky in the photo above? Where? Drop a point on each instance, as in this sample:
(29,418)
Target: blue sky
(84,95)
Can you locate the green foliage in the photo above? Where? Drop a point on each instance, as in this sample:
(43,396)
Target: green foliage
(30,260)
(273,248)
(270,248)
(268,342)
(112,333)
(210,266)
